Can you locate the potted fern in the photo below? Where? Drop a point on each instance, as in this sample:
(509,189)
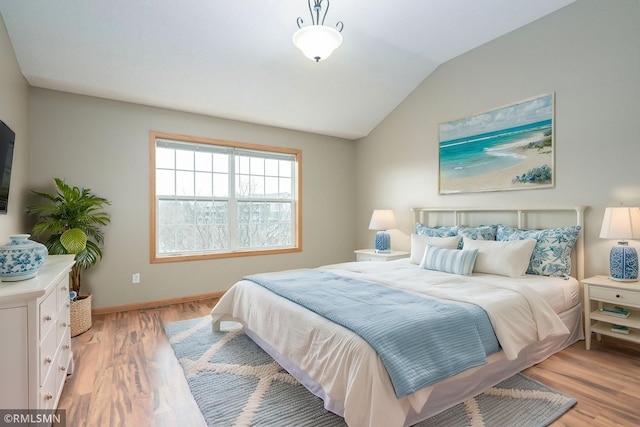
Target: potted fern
(70,219)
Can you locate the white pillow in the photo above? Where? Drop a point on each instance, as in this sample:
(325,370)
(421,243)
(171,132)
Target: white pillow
(509,258)
(454,261)
(419,243)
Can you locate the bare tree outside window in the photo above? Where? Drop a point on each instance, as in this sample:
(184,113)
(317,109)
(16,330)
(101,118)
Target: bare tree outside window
(216,198)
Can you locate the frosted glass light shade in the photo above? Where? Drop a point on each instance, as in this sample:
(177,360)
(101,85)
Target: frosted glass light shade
(317,42)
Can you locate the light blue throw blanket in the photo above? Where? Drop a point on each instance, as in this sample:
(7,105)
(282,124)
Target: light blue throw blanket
(420,340)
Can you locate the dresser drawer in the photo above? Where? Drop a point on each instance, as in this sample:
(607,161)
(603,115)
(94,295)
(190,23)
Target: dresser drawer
(54,362)
(620,296)
(64,366)
(63,324)
(47,355)
(62,289)
(48,392)
(47,313)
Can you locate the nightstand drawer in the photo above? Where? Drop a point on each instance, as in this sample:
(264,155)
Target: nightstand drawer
(368,257)
(620,296)
(372,255)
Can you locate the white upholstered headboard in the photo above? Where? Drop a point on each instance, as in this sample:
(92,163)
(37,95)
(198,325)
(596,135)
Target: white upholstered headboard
(532,217)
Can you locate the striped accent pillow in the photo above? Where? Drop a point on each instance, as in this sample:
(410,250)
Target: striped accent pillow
(449,260)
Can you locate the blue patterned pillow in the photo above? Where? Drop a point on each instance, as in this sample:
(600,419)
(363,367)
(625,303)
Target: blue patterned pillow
(449,260)
(482,232)
(552,253)
(440,231)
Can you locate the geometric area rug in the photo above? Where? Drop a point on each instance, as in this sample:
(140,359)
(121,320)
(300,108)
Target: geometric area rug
(235,383)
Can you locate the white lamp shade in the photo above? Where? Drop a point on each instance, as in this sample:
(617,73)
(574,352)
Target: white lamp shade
(382,219)
(621,223)
(317,41)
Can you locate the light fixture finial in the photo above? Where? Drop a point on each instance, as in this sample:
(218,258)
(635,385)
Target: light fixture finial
(317,41)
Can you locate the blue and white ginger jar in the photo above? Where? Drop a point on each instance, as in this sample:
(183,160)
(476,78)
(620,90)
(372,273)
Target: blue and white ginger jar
(21,258)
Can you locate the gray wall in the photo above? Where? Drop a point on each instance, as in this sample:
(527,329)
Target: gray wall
(104,145)
(589,54)
(14,111)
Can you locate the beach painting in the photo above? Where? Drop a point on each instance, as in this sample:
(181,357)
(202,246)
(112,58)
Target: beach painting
(508,148)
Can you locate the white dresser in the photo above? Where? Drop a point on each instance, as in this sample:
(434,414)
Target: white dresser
(34,331)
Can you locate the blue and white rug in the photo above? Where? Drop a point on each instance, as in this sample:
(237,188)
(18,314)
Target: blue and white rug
(235,383)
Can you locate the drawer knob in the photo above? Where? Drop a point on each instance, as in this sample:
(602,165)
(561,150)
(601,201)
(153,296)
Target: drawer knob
(66,346)
(48,318)
(64,288)
(64,324)
(62,368)
(47,359)
(48,396)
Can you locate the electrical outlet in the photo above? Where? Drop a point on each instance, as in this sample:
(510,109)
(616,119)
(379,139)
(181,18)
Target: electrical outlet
(135,278)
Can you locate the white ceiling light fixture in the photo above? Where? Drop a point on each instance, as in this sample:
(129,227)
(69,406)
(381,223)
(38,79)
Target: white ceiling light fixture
(317,40)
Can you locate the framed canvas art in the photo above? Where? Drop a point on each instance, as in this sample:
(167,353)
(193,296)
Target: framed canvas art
(508,148)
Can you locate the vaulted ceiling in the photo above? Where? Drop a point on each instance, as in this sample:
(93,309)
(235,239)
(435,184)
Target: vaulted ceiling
(236,60)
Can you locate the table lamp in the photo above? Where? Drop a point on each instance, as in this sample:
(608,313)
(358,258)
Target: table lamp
(382,220)
(622,223)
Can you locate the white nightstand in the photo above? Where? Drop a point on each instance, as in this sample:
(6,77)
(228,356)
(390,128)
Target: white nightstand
(609,293)
(372,255)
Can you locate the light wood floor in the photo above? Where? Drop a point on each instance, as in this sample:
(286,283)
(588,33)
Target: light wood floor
(127,375)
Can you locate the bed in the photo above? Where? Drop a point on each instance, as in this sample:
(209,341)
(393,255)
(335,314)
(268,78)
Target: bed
(532,315)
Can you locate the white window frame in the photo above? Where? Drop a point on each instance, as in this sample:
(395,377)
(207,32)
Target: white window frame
(232,148)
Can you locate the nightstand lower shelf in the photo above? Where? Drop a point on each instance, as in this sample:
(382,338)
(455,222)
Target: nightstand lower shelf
(605,329)
(604,322)
(632,321)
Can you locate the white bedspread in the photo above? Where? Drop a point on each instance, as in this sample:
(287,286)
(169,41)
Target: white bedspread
(343,369)
(519,315)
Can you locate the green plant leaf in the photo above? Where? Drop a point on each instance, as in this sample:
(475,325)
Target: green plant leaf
(74,240)
(61,214)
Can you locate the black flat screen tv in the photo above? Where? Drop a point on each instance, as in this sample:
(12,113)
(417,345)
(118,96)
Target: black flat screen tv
(7,141)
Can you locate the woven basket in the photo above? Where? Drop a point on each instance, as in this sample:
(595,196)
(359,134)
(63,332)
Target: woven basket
(80,314)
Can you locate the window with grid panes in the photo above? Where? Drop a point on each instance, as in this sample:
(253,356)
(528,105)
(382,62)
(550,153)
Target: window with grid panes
(216,198)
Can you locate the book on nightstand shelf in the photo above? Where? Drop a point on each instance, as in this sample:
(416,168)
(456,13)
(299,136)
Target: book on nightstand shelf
(620,329)
(615,311)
